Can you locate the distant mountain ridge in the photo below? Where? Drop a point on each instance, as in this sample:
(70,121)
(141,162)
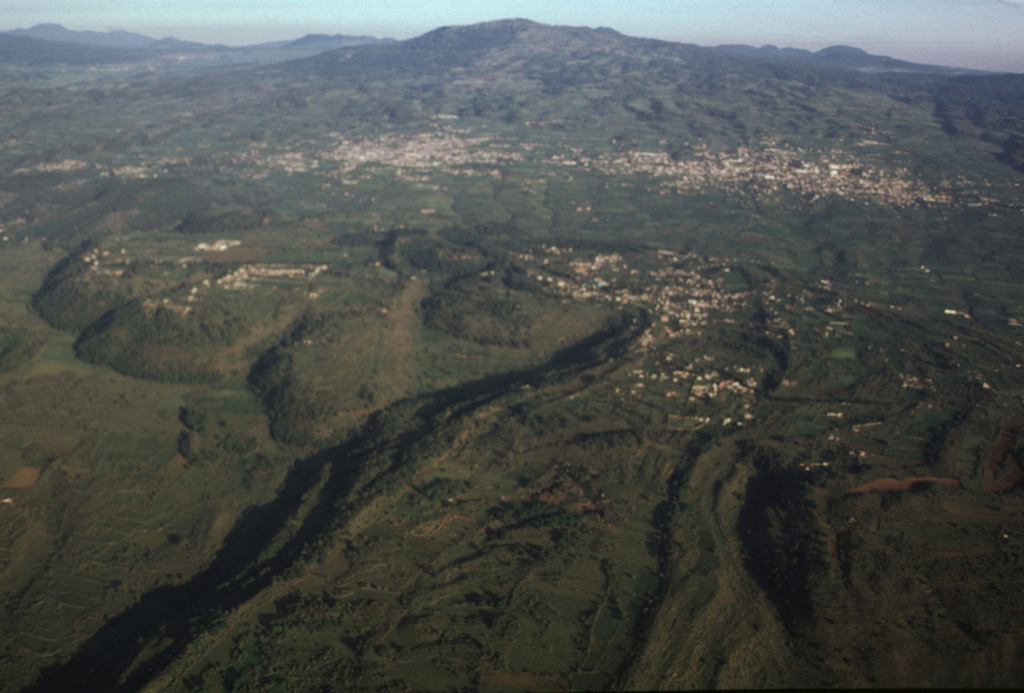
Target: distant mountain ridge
(109,39)
(522,32)
(54,44)
(841,57)
(117,39)
(497,34)
(125,40)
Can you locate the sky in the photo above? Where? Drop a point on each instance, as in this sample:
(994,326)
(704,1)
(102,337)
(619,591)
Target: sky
(984,34)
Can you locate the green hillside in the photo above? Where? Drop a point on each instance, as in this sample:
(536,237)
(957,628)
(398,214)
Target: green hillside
(510,357)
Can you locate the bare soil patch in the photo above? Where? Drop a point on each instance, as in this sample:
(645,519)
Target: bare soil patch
(24,477)
(907,484)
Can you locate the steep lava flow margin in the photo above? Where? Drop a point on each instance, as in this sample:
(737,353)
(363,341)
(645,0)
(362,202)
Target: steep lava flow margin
(1002,451)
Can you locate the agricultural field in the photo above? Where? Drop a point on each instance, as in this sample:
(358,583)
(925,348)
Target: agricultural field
(575,363)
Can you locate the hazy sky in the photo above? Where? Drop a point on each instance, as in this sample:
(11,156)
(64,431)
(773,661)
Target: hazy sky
(987,34)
